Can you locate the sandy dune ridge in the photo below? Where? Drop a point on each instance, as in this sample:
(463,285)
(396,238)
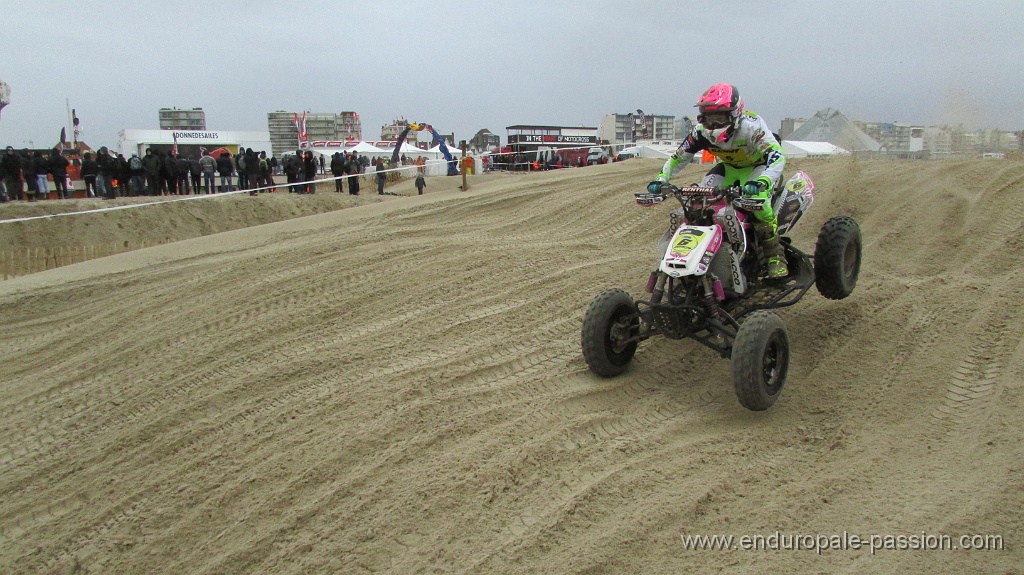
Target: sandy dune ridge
(397,387)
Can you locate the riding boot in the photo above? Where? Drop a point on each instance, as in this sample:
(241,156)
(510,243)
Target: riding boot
(772,249)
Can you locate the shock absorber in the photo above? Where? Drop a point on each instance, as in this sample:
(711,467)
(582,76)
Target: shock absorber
(710,302)
(659,288)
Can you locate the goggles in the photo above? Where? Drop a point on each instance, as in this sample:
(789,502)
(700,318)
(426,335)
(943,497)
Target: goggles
(715,120)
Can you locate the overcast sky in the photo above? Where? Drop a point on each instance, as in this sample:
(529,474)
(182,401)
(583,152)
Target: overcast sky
(463,65)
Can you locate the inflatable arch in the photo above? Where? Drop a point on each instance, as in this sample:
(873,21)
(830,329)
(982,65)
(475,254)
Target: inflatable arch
(413,126)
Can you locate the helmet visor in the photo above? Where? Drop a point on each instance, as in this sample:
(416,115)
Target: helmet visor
(715,120)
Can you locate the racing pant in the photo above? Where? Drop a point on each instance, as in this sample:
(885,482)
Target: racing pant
(767,225)
(723,174)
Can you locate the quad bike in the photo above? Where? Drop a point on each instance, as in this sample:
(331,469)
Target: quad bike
(711,285)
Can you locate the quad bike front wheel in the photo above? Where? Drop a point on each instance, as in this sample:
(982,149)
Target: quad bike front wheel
(760,360)
(837,256)
(609,334)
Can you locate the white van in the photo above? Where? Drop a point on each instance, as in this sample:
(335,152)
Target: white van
(630,152)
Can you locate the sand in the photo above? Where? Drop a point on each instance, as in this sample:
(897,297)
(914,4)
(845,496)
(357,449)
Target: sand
(397,387)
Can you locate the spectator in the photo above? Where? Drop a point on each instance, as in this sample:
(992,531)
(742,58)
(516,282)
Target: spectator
(107,172)
(266,177)
(224,168)
(421,183)
(151,167)
(309,168)
(90,170)
(183,175)
(3,182)
(338,170)
(137,176)
(208,166)
(12,173)
(292,167)
(195,172)
(59,169)
(28,170)
(252,169)
(41,166)
(322,169)
(169,173)
(243,180)
(381,176)
(354,167)
(124,175)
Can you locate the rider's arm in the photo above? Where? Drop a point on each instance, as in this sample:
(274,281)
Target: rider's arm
(683,155)
(771,149)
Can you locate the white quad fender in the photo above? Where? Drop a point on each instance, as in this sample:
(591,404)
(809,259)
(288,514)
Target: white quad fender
(691,250)
(794,201)
(732,226)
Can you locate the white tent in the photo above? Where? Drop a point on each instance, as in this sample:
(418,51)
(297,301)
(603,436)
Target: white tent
(455,152)
(656,150)
(365,148)
(804,149)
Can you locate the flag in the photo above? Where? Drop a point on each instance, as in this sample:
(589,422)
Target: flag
(302,132)
(74,121)
(174,148)
(63,135)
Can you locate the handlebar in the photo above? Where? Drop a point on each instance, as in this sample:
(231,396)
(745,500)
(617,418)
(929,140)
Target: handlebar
(691,192)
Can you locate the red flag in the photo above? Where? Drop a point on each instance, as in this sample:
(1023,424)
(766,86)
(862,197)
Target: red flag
(302,133)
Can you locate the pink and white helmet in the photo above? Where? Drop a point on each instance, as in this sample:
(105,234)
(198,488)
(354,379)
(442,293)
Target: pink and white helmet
(719,111)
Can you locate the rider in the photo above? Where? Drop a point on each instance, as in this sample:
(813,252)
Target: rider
(748,152)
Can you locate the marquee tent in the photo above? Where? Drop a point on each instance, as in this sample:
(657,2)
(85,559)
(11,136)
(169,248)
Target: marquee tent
(802,149)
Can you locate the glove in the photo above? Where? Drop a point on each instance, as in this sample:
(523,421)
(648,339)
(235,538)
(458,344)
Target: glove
(654,187)
(754,188)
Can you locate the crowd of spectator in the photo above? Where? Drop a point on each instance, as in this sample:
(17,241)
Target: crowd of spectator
(158,173)
(25,175)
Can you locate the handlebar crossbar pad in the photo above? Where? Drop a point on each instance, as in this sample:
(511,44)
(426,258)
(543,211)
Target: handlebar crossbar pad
(699,191)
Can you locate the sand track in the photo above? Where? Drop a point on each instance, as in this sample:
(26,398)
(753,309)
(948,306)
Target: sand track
(397,387)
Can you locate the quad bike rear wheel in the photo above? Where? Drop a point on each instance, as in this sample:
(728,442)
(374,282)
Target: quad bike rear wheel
(837,257)
(609,334)
(760,360)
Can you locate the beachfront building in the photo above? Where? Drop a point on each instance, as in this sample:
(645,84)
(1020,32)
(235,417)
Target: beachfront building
(175,119)
(484,141)
(390,132)
(320,127)
(637,126)
(895,138)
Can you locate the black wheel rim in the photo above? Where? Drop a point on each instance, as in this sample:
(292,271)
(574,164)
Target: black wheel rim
(850,259)
(774,363)
(620,330)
